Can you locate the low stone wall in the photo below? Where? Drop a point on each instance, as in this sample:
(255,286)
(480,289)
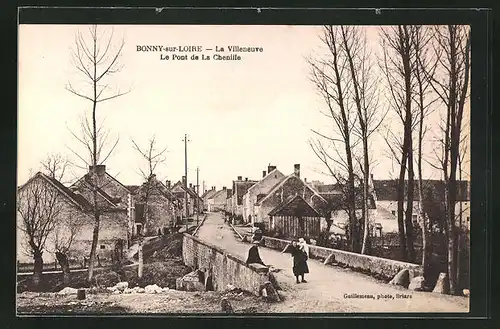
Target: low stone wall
(225,268)
(383,267)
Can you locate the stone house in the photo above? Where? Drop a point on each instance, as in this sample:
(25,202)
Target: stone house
(77,210)
(296,218)
(240,187)
(385,194)
(289,186)
(270,178)
(179,190)
(218,200)
(114,198)
(162,208)
(207,197)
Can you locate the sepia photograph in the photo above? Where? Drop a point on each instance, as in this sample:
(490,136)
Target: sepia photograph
(243,169)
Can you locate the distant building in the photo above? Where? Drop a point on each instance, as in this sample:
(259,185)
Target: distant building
(240,187)
(270,178)
(296,218)
(155,208)
(179,190)
(207,197)
(217,202)
(385,193)
(285,188)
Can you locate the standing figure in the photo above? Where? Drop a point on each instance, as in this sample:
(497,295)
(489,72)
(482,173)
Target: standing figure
(253,255)
(299,261)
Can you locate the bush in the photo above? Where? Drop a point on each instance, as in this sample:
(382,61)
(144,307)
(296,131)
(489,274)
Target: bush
(106,279)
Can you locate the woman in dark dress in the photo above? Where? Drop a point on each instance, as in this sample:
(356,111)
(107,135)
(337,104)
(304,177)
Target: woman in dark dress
(299,261)
(253,254)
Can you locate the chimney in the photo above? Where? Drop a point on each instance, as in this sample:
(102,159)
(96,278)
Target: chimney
(167,183)
(190,185)
(224,188)
(184,180)
(296,170)
(100,169)
(270,168)
(305,180)
(239,177)
(246,179)
(264,173)
(213,188)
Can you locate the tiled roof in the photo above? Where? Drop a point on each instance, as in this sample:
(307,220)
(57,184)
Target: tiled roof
(295,206)
(75,198)
(241,187)
(386,190)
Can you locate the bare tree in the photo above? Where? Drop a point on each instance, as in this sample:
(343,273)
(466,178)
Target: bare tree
(39,207)
(398,66)
(330,74)
(152,158)
(64,233)
(96,58)
(365,95)
(424,69)
(56,166)
(452,49)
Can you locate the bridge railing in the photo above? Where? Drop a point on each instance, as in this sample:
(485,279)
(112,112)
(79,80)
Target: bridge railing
(382,267)
(224,268)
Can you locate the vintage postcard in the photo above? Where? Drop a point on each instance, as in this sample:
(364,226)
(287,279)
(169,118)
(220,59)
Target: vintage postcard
(243,169)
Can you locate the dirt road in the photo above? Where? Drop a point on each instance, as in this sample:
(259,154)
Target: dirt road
(329,288)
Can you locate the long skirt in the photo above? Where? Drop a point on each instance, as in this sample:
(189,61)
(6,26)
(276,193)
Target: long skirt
(300,266)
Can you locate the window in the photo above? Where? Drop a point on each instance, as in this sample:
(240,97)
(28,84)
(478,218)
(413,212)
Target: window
(414,217)
(468,219)
(103,246)
(394,212)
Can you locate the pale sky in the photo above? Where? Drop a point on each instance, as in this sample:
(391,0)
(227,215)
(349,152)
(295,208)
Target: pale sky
(239,115)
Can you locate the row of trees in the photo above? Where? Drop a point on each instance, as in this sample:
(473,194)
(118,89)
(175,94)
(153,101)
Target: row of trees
(419,71)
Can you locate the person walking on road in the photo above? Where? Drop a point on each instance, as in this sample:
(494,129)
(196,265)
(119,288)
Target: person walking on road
(300,267)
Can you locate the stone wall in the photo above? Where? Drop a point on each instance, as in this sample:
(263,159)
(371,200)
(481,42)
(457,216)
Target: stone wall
(383,267)
(225,268)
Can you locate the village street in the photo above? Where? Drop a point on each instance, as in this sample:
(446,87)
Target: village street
(327,285)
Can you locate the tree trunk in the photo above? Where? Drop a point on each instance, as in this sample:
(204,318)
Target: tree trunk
(62,259)
(401,196)
(37,268)
(95,239)
(409,206)
(141,261)
(366,196)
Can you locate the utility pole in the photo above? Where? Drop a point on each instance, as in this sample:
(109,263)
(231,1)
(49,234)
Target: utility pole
(185,140)
(198,194)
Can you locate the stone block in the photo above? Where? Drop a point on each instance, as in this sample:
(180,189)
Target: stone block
(417,284)
(329,260)
(401,279)
(259,268)
(442,285)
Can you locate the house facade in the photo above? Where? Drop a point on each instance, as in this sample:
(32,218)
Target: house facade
(179,190)
(296,218)
(155,208)
(75,221)
(288,187)
(240,187)
(218,200)
(270,178)
(207,198)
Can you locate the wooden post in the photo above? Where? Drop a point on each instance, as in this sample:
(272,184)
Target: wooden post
(141,260)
